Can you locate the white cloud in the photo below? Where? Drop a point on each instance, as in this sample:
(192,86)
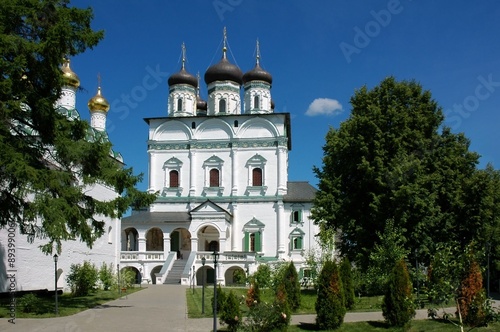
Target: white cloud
(324,106)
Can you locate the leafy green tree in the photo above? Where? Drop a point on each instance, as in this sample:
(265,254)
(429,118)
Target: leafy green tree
(330,303)
(386,252)
(397,307)
(48,163)
(82,278)
(393,160)
(347,283)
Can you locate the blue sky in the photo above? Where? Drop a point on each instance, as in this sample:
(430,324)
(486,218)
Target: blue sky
(319,53)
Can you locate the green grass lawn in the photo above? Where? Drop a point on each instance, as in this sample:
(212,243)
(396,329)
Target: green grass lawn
(67,304)
(308,300)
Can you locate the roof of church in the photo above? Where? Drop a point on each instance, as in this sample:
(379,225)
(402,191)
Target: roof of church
(157,217)
(299,191)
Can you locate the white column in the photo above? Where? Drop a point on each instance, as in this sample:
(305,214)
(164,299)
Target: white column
(281,229)
(194,244)
(282,170)
(192,173)
(234,173)
(235,230)
(166,244)
(152,166)
(222,244)
(142,244)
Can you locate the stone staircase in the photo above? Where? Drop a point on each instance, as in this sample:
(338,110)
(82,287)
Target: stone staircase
(175,273)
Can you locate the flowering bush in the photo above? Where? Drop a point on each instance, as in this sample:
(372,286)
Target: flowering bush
(253,295)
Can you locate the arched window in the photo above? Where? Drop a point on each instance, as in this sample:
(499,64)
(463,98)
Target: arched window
(256,102)
(174,179)
(257,177)
(179,104)
(222,106)
(214,177)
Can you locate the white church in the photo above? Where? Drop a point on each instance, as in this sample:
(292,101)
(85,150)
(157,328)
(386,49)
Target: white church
(220,168)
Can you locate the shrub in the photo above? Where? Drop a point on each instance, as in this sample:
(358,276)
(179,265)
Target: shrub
(221,298)
(262,276)
(82,279)
(239,277)
(30,303)
(264,317)
(230,312)
(347,283)
(106,276)
(330,305)
(397,306)
(127,277)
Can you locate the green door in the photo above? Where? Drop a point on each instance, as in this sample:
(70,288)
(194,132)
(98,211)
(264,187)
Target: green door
(210,276)
(174,241)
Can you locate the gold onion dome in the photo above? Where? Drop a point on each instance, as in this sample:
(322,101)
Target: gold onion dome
(98,102)
(69,76)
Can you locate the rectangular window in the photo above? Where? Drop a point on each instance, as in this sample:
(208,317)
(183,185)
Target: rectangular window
(297,243)
(297,216)
(214,177)
(174,179)
(257,177)
(253,242)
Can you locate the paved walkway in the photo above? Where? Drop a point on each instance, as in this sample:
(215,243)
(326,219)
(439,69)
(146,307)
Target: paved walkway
(157,308)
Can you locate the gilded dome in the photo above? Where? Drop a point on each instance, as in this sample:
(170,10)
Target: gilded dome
(69,76)
(98,102)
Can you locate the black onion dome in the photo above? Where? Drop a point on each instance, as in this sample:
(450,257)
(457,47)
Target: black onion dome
(223,71)
(257,74)
(201,104)
(183,77)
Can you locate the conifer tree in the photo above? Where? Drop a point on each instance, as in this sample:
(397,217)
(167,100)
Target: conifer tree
(47,162)
(347,283)
(397,306)
(230,312)
(471,295)
(291,285)
(330,303)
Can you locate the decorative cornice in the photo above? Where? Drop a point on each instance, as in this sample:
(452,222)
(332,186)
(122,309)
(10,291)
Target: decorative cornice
(182,87)
(223,87)
(257,84)
(260,143)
